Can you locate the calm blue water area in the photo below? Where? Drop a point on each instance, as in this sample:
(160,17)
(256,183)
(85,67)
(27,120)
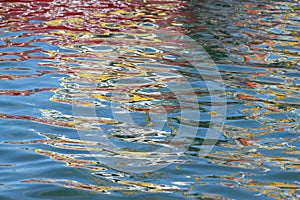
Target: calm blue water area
(26,39)
(14,49)
(9,57)
(12,34)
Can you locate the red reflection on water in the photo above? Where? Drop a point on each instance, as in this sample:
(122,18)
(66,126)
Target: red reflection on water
(39,120)
(23,92)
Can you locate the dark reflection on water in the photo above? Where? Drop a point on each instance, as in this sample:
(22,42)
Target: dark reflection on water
(54,54)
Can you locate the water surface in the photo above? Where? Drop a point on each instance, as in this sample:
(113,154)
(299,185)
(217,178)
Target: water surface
(110,56)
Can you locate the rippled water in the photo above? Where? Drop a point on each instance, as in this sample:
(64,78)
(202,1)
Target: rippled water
(71,68)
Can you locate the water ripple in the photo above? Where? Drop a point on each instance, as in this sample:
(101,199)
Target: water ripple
(57,54)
